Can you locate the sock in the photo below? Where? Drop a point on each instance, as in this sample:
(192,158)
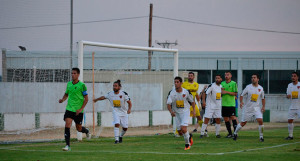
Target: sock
(261,131)
(116,131)
(238,128)
(67,136)
(84,130)
(290,128)
(203,128)
(218,127)
(122,133)
(186,137)
(234,124)
(228,126)
(200,122)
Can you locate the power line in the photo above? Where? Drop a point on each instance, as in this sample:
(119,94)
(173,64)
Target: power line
(75,23)
(224,26)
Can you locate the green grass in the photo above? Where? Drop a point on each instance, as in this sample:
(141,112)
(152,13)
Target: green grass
(164,147)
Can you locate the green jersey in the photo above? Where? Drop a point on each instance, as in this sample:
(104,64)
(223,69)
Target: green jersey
(76,93)
(227,99)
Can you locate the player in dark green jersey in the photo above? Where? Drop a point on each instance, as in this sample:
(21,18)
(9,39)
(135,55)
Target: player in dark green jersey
(77,96)
(229,92)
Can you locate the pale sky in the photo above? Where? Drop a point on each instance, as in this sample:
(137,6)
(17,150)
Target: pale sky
(281,15)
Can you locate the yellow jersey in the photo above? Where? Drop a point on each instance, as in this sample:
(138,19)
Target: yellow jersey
(192,87)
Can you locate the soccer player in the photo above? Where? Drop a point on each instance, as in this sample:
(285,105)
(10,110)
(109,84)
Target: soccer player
(118,99)
(77,96)
(213,105)
(192,86)
(254,93)
(202,112)
(293,91)
(229,91)
(178,103)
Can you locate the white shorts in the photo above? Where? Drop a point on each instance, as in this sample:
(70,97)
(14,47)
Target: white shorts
(122,120)
(247,115)
(182,119)
(212,113)
(293,113)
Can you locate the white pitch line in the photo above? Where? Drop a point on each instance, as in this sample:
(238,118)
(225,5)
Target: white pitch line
(161,153)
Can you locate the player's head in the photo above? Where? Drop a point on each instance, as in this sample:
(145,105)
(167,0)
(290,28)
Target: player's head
(255,78)
(177,82)
(295,77)
(75,73)
(117,86)
(218,79)
(228,75)
(191,76)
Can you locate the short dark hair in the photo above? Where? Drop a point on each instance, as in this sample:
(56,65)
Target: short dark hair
(118,82)
(228,72)
(192,73)
(257,75)
(295,73)
(178,78)
(218,75)
(77,70)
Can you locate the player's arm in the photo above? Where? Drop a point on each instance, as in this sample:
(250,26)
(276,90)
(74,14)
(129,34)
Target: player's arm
(129,106)
(241,101)
(170,110)
(85,101)
(99,99)
(203,100)
(230,93)
(288,93)
(263,101)
(64,98)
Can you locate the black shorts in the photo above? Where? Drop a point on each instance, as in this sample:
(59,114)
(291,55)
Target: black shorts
(77,119)
(228,111)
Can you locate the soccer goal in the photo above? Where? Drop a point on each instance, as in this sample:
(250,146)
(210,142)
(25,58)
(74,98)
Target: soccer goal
(147,76)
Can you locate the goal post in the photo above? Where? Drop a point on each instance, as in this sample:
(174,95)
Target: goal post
(82,44)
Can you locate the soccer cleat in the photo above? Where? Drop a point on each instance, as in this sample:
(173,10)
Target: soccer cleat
(66,148)
(206,133)
(229,136)
(234,137)
(120,139)
(177,136)
(187,147)
(289,138)
(88,134)
(201,136)
(191,139)
(116,142)
(261,139)
(218,136)
(195,130)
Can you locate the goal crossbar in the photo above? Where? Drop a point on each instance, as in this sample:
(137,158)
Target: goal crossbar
(83,43)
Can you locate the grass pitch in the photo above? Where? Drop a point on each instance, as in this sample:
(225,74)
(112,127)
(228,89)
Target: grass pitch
(164,147)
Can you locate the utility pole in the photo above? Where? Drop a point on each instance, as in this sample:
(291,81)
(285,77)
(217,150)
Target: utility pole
(150,37)
(71,38)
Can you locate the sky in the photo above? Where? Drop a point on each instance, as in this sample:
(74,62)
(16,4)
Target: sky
(279,15)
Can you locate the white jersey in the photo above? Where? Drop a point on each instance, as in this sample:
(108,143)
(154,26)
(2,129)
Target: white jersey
(214,98)
(180,102)
(118,102)
(254,97)
(294,91)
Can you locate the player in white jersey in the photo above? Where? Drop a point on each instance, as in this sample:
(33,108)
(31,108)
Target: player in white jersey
(253,93)
(213,105)
(118,99)
(179,102)
(293,94)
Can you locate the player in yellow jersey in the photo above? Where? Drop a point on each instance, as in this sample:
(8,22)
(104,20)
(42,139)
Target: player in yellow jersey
(192,86)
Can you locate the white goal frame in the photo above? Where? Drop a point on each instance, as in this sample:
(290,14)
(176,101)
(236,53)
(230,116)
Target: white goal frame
(83,43)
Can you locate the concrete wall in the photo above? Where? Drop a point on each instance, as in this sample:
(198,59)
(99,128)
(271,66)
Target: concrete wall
(43,97)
